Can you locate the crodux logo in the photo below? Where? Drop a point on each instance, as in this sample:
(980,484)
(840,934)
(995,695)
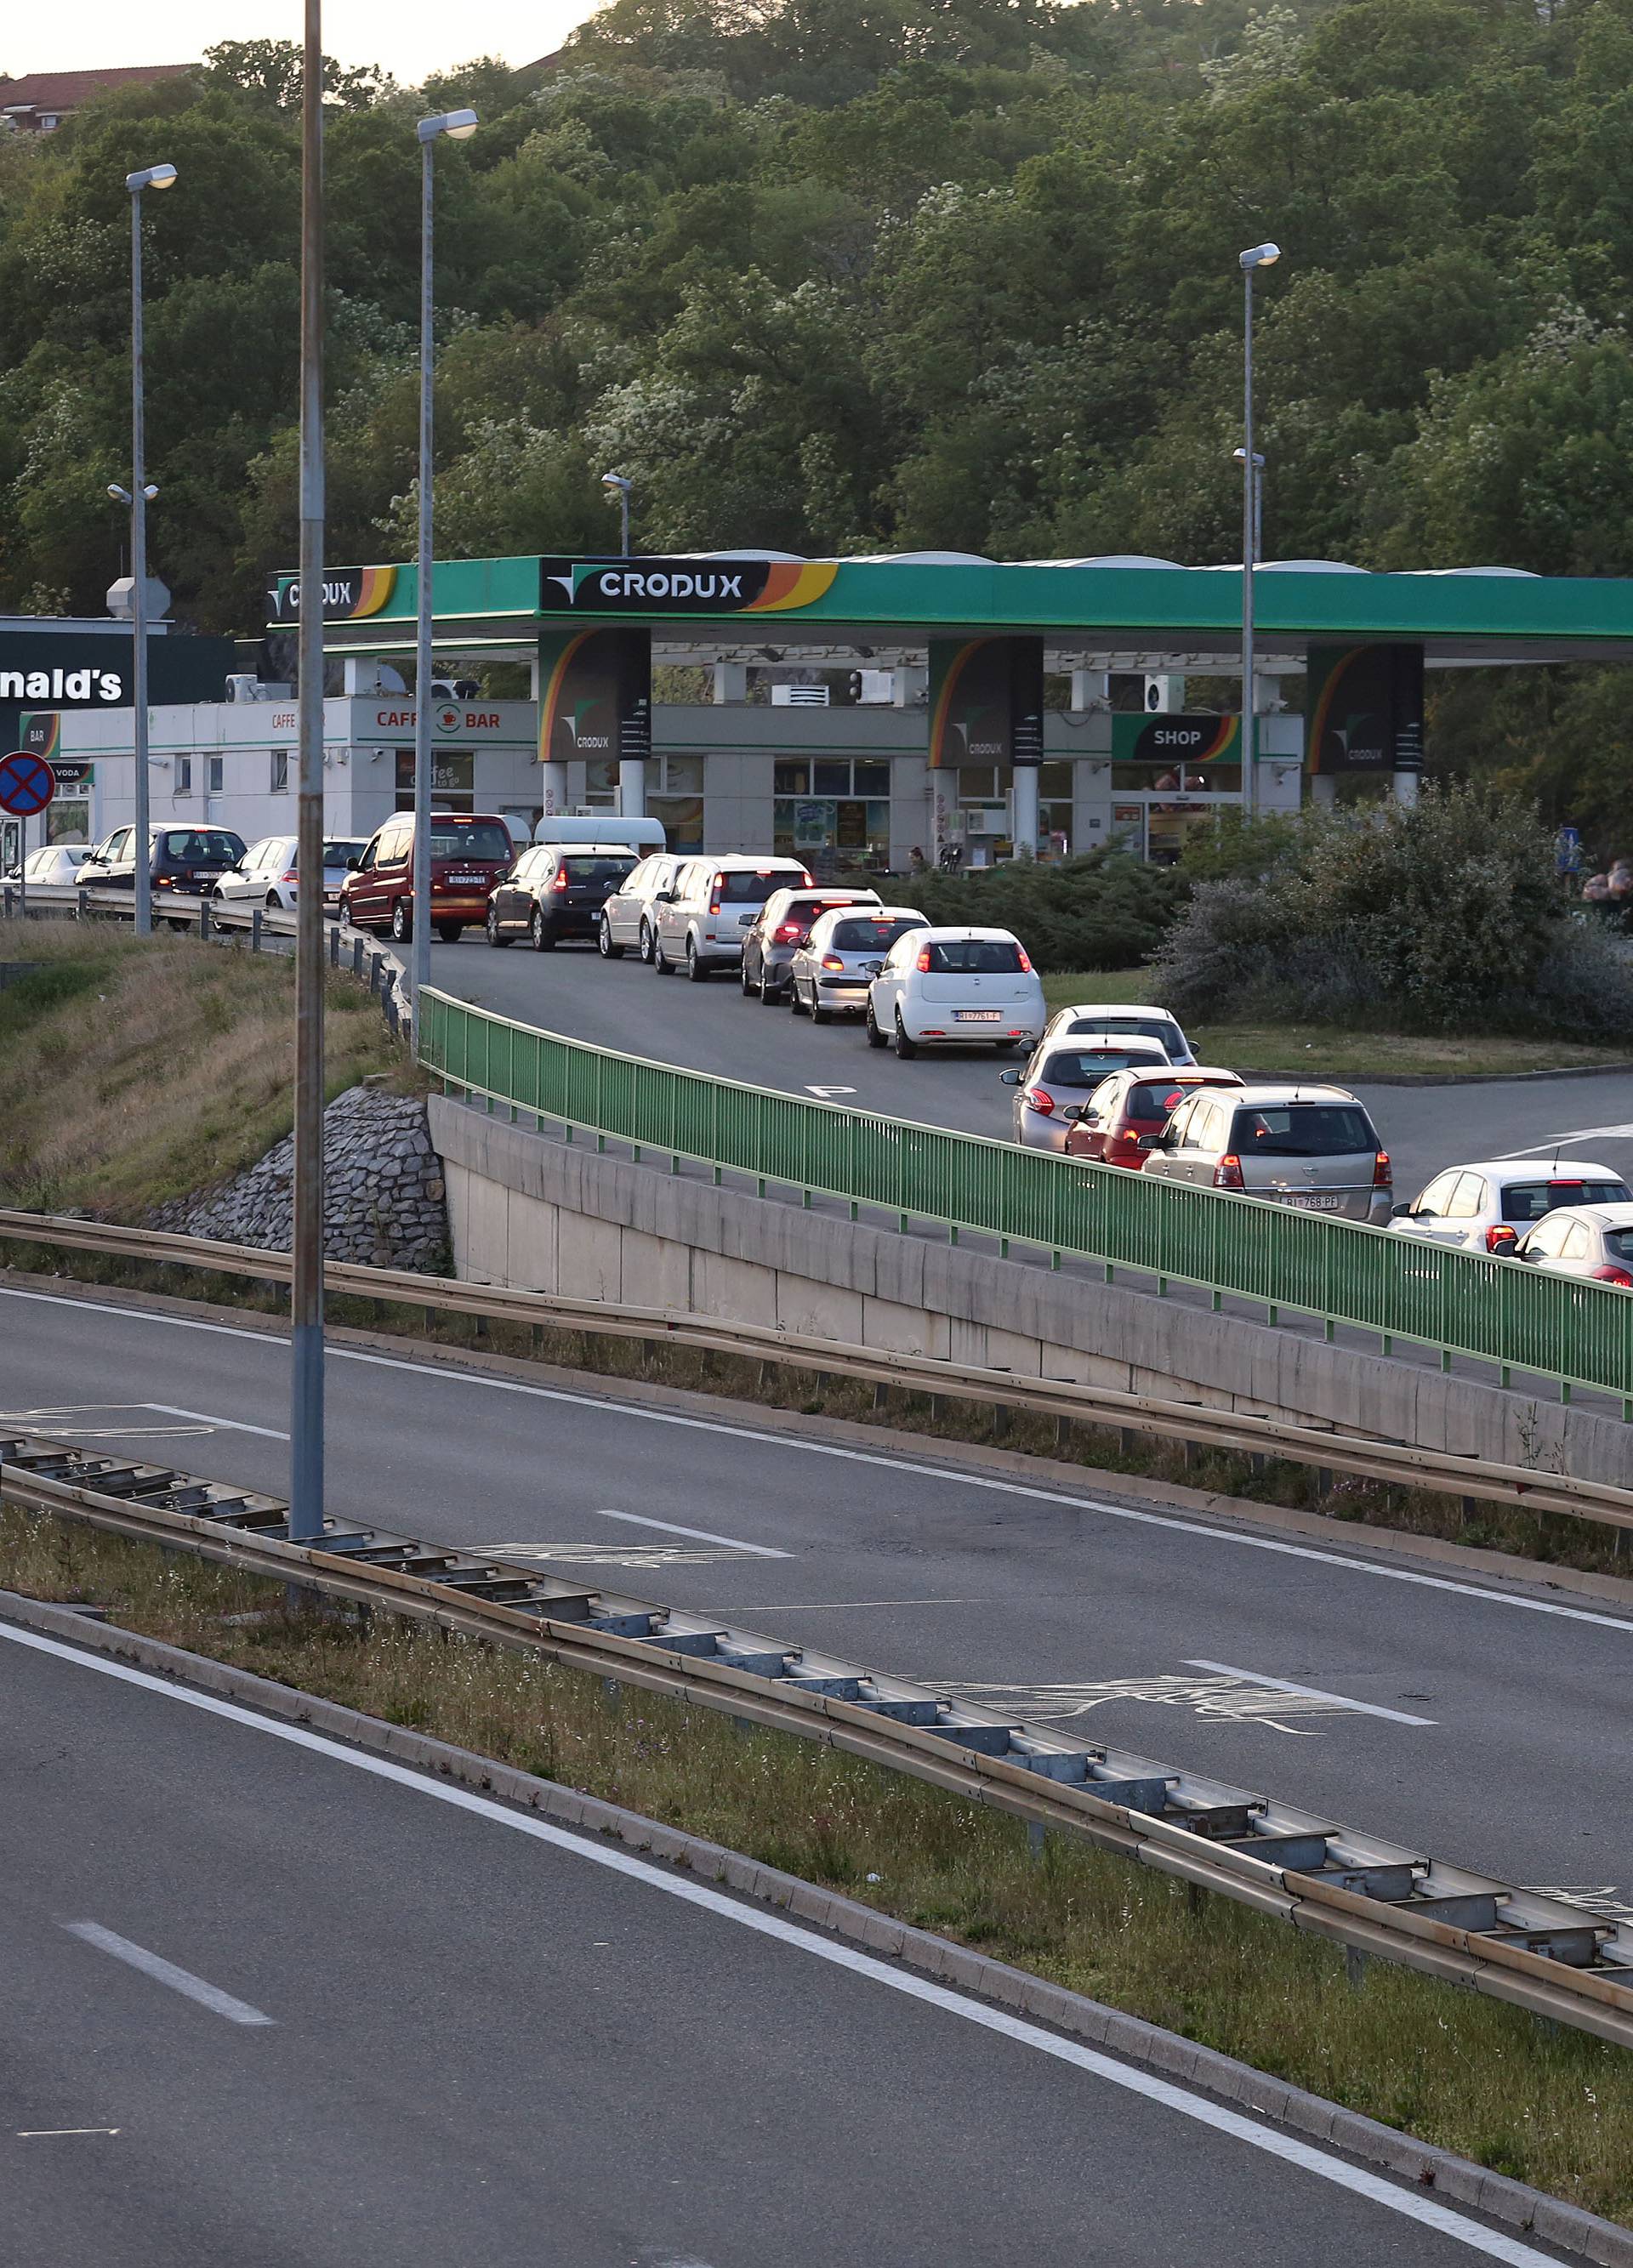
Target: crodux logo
(681,586)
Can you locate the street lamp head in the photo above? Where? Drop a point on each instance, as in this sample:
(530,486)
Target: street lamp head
(617,481)
(119,495)
(1261,255)
(1239,454)
(153,177)
(458,125)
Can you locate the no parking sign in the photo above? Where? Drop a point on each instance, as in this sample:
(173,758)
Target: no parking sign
(27,783)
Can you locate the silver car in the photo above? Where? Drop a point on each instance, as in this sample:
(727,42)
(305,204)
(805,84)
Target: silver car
(842,954)
(1129,1020)
(1063,1071)
(1314,1147)
(1594,1241)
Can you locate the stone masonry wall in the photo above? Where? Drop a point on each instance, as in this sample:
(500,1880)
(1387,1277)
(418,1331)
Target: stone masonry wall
(384,1205)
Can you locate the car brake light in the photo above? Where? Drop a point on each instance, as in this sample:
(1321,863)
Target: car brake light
(1564,1193)
(923,962)
(560,882)
(1026,966)
(1040,1099)
(1501,1239)
(833,961)
(166,882)
(1383,1172)
(289,876)
(787,933)
(1613,1276)
(1228,1172)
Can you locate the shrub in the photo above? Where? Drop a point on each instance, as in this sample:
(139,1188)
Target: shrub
(1103,910)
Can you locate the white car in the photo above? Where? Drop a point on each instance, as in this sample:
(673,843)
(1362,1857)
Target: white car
(264,876)
(1595,1240)
(703,916)
(1488,1207)
(1065,1070)
(953,987)
(845,949)
(53,867)
(1129,1021)
(628,917)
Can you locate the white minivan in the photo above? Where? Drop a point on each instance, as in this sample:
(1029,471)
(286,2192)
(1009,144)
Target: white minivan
(703,917)
(955,987)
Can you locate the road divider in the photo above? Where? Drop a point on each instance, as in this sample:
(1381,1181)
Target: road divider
(1316,1873)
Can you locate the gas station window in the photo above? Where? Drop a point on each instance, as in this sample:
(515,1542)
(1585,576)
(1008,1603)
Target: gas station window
(831,777)
(453,780)
(600,783)
(680,775)
(682,819)
(789,777)
(1054,783)
(873,777)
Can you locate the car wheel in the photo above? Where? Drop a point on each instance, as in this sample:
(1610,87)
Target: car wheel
(492,927)
(538,935)
(745,982)
(648,946)
(905,1048)
(770,993)
(402,922)
(604,945)
(273,904)
(820,1015)
(875,1037)
(695,969)
(660,960)
(796,1006)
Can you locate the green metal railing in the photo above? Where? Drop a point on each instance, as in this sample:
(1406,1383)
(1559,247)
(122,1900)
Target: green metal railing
(1566,1328)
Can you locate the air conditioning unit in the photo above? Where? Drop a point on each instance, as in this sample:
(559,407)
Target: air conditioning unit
(799,696)
(242,688)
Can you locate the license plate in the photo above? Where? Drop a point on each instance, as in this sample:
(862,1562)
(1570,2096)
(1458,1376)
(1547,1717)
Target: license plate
(977,1015)
(1317,1204)
(465,881)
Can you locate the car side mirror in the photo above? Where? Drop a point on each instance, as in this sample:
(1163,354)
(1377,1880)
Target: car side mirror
(1402,1212)
(872,967)
(354,865)
(1010,1077)
(1078,1114)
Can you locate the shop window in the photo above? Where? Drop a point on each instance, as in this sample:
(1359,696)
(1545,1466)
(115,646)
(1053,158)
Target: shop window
(789,777)
(682,819)
(184,775)
(279,782)
(1054,784)
(830,777)
(871,777)
(213,769)
(680,774)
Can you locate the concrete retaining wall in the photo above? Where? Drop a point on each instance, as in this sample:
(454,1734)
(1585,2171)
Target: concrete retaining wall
(536,1213)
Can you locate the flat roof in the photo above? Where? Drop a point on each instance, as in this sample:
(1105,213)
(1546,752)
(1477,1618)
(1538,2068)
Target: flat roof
(1100,610)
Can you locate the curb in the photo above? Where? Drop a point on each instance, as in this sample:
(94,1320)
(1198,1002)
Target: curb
(1356,1538)
(1457,2180)
(1452,1078)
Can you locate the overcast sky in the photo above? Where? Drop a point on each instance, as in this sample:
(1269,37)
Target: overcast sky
(409,37)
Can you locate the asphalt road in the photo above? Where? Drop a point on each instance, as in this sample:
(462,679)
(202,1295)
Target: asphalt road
(270,2004)
(1481,1724)
(711,1028)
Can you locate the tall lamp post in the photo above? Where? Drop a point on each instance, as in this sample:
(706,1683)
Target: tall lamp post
(151,177)
(1260,255)
(618,481)
(458,125)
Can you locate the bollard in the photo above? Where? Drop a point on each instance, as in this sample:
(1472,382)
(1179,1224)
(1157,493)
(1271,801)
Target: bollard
(254,929)
(376,966)
(203,917)
(334,947)
(357,956)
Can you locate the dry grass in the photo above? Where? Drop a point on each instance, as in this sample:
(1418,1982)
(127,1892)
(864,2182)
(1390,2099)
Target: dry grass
(137,1071)
(1553,2109)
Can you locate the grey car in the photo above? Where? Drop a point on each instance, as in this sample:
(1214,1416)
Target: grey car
(1314,1147)
(831,972)
(1065,1071)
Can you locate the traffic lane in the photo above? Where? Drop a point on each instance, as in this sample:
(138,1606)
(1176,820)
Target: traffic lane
(474,2040)
(711,1028)
(1055,1604)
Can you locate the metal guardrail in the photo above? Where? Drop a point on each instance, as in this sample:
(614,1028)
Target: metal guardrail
(1324,1877)
(1196,1422)
(1569,1330)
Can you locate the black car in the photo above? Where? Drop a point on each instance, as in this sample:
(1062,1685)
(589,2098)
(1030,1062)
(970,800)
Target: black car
(185,859)
(557,890)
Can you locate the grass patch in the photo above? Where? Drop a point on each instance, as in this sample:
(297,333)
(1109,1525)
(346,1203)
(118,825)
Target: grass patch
(1552,2108)
(139,1069)
(1328,1051)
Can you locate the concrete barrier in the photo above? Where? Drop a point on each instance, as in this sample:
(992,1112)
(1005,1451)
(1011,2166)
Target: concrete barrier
(534,1213)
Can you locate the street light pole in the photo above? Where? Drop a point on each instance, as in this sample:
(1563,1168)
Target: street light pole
(623,485)
(305,1456)
(1260,255)
(458,125)
(151,177)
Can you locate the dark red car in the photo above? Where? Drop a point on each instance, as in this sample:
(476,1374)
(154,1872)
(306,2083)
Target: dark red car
(468,857)
(1115,1126)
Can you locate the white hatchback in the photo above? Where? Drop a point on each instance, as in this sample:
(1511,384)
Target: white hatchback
(1129,1020)
(1488,1207)
(955,987)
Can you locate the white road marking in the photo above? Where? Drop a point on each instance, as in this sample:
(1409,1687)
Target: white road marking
(1577,1134)
(646,1555)
(46,2133)
(205,1417)
(165,1972)
(1275,2142)
(1230,1699)
(1602,1899)
(607,1405)
(697,1534)
(827,1094)
(828,1606)
(1309,1692)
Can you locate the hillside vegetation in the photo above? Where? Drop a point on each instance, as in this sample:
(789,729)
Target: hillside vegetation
(138,1071)
(832,277)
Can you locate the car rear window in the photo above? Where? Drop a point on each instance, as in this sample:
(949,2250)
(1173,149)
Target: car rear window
(1303,1130)
(864,936)
(335,851)
(1151,1103)
(201,846)
(744,887)
(1146,1027)
(1525,1201)
(1084,1066)
(469,838)
(1619,1243)
(609,871)
(977,957)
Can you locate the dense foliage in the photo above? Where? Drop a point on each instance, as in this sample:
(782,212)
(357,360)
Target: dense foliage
(827,276)
(1443,916)
(1103,910)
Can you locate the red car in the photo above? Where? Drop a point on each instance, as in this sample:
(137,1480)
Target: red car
(1116,1125)
(468,857)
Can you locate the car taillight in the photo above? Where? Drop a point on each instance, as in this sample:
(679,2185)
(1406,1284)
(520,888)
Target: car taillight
(289,876)
(923,962)
(1501,1239)
(787,933)
(560,882)
(1040,1099)
(833,961)
(1608,1275)
(1026,966)
(1228,1172)
(1383,1172)
(165,881)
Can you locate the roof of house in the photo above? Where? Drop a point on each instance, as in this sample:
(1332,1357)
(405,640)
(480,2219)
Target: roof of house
(60,90)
